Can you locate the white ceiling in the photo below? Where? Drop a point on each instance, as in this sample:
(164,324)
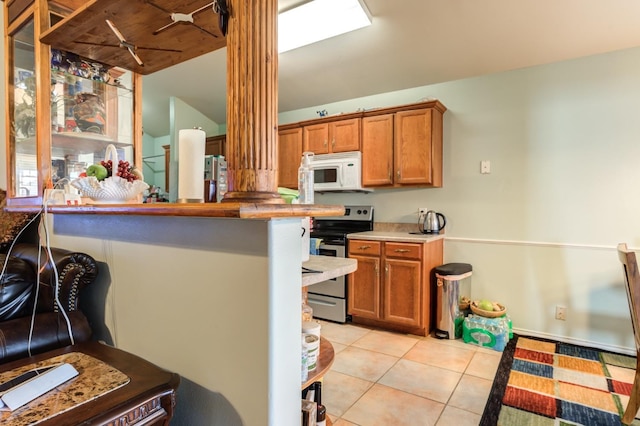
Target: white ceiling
(411,43)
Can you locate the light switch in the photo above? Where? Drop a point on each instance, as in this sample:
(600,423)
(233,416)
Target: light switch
(485,167)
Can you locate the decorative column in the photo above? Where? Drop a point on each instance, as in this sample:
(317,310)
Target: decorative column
(252,101)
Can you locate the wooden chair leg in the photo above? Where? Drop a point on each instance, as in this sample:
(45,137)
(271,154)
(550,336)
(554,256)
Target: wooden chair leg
(634,398)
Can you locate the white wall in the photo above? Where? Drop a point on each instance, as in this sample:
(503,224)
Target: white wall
(214,300)
(563,141)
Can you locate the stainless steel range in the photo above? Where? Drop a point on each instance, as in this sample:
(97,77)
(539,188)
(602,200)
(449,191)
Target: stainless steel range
(329,298)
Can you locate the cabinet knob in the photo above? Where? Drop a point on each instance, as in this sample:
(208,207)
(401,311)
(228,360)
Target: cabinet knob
(401,250)
(333,142)
(386,268)
(364,247)
(325,142)
(398,173)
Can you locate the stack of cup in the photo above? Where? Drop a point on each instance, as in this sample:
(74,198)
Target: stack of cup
(311,338)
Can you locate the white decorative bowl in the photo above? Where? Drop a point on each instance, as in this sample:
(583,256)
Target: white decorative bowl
(112,190)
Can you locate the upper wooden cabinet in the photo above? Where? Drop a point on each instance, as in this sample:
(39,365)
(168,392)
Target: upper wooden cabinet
(332,136)
(289,154)
(403,147)
(104,30)
(55,133)
(418,147)
(377,150)
(216,145)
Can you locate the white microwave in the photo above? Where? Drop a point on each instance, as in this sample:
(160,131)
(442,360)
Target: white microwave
(338,172)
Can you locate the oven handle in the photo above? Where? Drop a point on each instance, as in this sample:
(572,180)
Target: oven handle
(320,302)
(340,250)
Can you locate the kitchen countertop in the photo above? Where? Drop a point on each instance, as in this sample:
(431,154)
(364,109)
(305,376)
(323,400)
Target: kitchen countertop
(330,267)
(404,237)
(226,210)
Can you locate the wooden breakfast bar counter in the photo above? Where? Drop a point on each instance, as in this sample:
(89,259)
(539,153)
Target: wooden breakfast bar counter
(220,210)
(211,292)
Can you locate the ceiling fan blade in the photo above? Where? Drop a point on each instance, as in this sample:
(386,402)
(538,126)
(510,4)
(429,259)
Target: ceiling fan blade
(205,31)
(158,49)
(116,32)
(200,9)
(97,44)
(150,3)
(170,24)
(135,56)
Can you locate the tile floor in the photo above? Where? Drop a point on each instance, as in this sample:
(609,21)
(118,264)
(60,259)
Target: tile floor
(392,379)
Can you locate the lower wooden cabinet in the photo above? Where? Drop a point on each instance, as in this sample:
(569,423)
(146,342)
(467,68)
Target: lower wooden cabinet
(392,286)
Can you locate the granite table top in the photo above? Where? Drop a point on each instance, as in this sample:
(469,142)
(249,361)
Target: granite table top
(94,380)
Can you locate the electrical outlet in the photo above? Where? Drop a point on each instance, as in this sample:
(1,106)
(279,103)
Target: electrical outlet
(561,313)
(422,211)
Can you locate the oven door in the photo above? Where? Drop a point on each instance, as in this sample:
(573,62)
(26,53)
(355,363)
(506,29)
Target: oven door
(334,287)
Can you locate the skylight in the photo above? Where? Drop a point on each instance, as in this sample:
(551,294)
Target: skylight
(319,20)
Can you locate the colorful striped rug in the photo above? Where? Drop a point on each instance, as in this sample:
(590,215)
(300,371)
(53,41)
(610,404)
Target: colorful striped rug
(546,383)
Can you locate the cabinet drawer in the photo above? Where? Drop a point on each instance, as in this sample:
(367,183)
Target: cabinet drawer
(364,247)
(403,250)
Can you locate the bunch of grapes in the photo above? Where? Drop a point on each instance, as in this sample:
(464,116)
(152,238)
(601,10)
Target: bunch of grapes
(109,166)
(125,170)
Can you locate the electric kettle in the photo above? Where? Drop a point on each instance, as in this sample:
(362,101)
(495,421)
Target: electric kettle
(434,222)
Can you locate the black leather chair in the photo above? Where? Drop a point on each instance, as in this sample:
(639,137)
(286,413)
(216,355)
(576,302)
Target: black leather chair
(18,295)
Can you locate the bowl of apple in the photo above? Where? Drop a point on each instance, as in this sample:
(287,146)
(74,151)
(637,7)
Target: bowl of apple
(111,181)
(486,308)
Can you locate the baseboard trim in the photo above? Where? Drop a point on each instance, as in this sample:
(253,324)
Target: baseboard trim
(580,342)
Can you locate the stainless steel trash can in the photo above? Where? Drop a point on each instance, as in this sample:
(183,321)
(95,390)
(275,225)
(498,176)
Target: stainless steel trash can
(453,282)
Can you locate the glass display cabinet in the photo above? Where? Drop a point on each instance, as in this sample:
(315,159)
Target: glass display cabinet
(63,110)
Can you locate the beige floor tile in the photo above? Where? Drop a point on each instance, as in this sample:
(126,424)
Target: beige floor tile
(488,350)
(452,416)
(342,422)
(361,363)
(341,391)
(458,343)
(423,380)
(394,344)
(342,333)
(484,365)
(448,356)
(338,347)
(384,406)
(471,394)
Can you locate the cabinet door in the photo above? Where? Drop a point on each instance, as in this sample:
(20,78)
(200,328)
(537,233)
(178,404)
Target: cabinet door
(377,150)
(289,154)
(215,145)
(402,292)
(364,288)
(316,138)
(413,149)
(345,135)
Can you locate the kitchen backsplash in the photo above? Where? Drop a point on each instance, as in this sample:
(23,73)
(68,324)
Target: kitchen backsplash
(394,227)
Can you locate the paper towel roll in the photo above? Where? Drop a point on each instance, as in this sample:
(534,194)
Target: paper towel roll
(191,144)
